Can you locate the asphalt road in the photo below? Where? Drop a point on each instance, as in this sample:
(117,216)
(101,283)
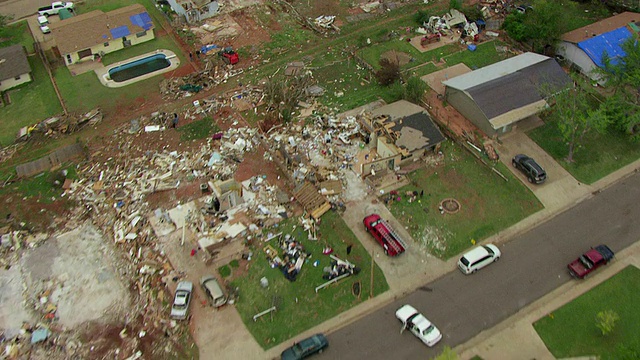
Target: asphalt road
(531,266)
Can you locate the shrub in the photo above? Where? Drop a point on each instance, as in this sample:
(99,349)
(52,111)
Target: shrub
(389,72)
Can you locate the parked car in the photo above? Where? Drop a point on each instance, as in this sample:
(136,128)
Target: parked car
(478,258)
(589,261)
(307,347)
(181,301)
(212,289)
(55,7)
(530,168)
(43,22)
(419,325)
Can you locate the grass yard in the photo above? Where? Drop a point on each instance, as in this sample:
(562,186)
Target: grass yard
(601,155)
(488,203)
(299,307)
(199,129)
(571,331)
(30,103)
(485,54)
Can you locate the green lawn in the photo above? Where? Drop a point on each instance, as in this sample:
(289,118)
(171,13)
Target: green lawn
(571,331)
(489,204)
(485,54)
(30,103)
(601,154)
(299,307)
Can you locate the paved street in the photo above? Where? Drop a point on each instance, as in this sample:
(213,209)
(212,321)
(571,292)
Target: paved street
(533,265)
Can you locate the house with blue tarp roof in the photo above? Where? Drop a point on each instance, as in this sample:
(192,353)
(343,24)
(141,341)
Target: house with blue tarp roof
(87,37)
(584,48)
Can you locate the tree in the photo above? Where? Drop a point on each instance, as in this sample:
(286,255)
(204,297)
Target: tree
(622,75)
(414,90)
(577,116)
(389,72)
(539,26)
(606,321)
(282,95)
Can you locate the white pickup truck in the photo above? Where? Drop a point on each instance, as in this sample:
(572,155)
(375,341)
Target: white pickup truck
(55,8)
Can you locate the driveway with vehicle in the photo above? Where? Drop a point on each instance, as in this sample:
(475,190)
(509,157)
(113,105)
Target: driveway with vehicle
(534,265)
(559,185)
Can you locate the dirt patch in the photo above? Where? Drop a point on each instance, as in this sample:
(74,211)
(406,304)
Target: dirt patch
(397,57)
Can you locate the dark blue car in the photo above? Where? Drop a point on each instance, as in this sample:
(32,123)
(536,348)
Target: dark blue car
(309,346)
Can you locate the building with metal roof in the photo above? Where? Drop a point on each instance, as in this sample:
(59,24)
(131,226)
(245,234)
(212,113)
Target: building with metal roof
(583,48)
(496,97)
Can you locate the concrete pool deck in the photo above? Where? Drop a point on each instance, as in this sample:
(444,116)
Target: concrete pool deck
(103,71)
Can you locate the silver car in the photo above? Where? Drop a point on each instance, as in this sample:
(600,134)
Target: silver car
(181,301)
(214,292)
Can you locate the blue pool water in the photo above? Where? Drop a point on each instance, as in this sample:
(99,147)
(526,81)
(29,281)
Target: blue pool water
(139,67)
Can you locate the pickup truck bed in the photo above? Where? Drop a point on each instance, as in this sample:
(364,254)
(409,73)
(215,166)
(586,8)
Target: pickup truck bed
(590,260)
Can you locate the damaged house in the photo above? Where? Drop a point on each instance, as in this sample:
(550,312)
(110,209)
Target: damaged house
(195,11)
(400,132)
(91,35)
(496,97)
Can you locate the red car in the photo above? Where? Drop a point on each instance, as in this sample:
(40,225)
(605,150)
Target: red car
(589,261)
(384,234)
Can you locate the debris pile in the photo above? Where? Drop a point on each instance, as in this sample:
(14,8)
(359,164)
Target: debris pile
(56,126)
(292,258)
(181,87)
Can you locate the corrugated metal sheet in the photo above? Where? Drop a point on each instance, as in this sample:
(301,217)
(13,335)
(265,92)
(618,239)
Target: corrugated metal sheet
(55,158)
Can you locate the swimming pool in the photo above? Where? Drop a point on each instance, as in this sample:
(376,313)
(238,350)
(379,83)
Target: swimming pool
(139,67)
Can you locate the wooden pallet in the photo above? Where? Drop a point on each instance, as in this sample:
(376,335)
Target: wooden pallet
(312,201)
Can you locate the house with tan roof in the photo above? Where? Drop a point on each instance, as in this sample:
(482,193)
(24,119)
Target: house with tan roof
(583,48)
(14,67)
(91,35)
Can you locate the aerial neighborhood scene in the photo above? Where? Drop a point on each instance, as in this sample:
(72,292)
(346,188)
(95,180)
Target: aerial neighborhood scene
(283,179)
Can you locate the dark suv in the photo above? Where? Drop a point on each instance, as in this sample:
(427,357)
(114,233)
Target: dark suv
(534,172)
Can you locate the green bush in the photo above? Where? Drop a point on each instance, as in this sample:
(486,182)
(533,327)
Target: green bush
(225,271)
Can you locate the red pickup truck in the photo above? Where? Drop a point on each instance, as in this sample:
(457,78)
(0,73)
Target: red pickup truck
(384,234)
(589,261)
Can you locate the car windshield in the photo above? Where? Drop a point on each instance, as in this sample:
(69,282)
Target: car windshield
(586,262)
(428,330)
(488,249)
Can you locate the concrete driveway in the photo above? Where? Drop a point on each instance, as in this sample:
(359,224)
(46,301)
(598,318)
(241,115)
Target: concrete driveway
(560,187)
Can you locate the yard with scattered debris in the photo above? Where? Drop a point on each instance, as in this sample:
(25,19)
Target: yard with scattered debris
(141,194)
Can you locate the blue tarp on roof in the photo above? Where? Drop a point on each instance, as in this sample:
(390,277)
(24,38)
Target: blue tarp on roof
(120,31)
(143,20)
(608,42)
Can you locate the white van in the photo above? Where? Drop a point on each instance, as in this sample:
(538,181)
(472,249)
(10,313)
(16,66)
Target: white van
(478,258)
(214,292)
